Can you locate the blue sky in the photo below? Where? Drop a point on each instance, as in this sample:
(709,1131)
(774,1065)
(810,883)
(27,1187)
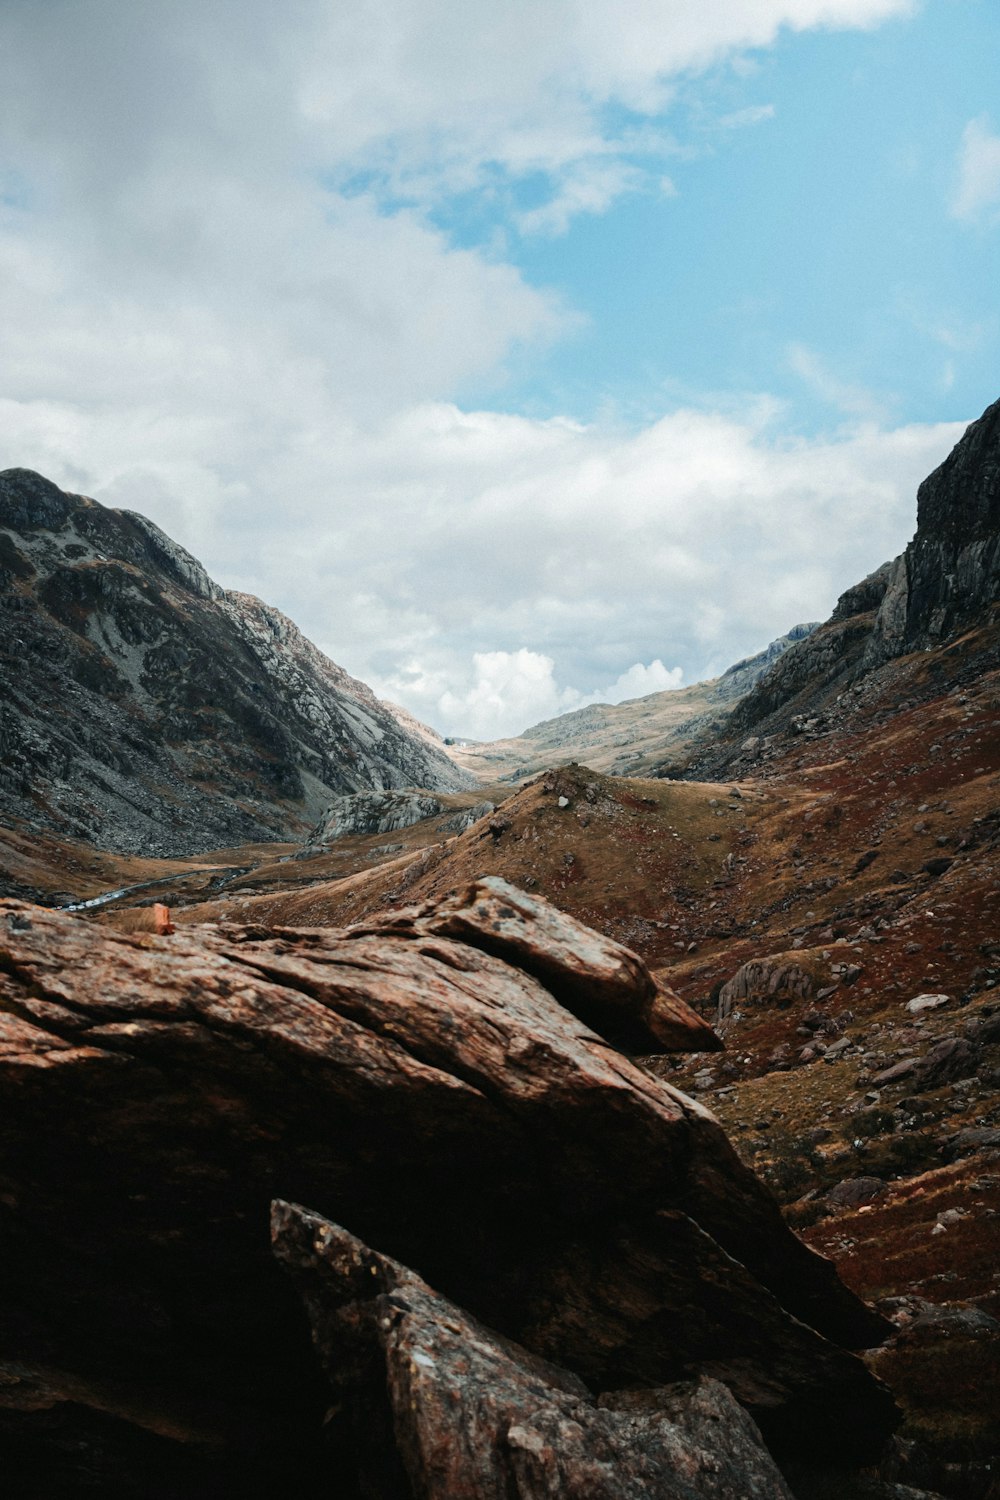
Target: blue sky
(526,356)
(820,223)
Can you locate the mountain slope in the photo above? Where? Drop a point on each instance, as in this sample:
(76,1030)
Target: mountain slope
(629,738)
(944,588)
(146,709)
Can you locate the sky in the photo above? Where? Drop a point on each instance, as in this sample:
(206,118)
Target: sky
(527,354)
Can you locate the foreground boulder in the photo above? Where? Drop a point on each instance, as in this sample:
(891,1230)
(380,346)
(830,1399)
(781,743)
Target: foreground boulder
(431,1403)
(156,1093)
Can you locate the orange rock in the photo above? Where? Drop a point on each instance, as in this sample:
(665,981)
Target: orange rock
(161,920)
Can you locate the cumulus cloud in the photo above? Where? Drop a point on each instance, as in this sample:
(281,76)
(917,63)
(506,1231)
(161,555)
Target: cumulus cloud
(639,681)
(976,197)
(499,693)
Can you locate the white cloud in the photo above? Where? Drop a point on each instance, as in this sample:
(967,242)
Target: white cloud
(976,197)
(640,681)
(754,114)
(850,400)
(507,688)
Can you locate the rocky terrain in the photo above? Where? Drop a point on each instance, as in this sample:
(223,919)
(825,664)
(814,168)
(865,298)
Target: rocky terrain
(512,1251)
(428,1080)
(146,710)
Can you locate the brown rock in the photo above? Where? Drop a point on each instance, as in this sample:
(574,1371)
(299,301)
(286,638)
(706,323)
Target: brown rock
(606,985)
(894,1074)
(156,1095)
(951,1059)
(855,1191)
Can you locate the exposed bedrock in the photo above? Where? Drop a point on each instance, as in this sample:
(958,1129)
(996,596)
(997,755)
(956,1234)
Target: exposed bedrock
(429,1402)
(156,1093)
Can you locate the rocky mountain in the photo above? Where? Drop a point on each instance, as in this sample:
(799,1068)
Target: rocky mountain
(626,739)
(946,583)
(950,572)
(146,709)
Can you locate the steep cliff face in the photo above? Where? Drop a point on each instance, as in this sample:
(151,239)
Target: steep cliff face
(147,709)
(950,572)
(947,580)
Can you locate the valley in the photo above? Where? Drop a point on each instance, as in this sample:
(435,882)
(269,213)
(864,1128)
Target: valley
(802,859)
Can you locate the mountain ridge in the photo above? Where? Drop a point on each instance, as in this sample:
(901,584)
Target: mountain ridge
(149,709)
(626,738)
(944,583)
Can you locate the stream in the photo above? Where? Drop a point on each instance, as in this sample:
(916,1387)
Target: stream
(229,872)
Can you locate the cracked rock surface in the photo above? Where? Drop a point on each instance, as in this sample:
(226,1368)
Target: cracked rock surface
(156,1093)
(432,1403)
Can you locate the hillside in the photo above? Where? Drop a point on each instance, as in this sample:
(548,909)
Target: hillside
(145,709)
(630,738)
(944,588)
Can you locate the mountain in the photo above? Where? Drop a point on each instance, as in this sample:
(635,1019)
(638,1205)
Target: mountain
(146,709)
(629,738)
(830,908)
(941,593)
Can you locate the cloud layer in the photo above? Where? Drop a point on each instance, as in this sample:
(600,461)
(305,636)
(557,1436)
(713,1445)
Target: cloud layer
(228,302)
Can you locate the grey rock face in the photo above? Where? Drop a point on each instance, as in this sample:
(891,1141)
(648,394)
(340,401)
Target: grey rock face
(764,979)
(145,708)
(743,675)
(373,812)
(436,1404)
(951,569)
(948,577)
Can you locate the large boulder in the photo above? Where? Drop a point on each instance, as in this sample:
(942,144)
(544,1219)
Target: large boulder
(156,1093)
(373,812)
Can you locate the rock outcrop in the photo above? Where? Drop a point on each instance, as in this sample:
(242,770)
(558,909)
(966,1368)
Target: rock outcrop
(439,1101)
(431,1403)
(947,580)
(373,812)
(145,708)
(950,572)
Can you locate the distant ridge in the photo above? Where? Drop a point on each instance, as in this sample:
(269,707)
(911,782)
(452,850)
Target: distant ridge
(632,738)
